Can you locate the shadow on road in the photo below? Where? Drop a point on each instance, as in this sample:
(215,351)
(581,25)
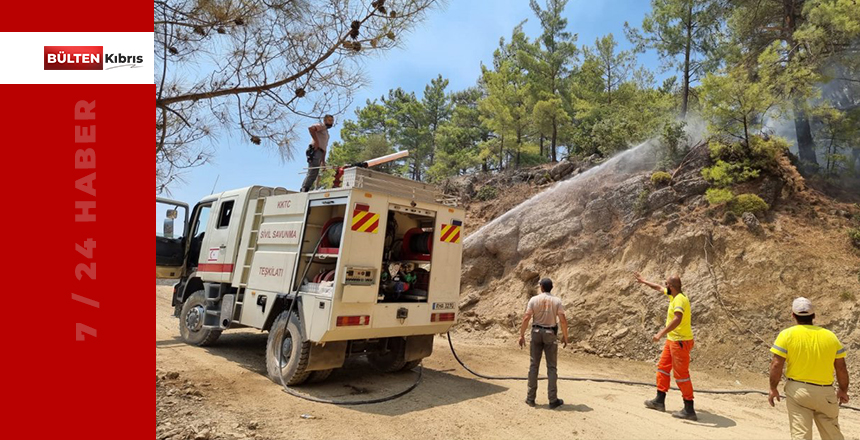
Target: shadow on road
(572,408)
(436,389)
(357,380)
(170,343)
(712,420)
(244,348)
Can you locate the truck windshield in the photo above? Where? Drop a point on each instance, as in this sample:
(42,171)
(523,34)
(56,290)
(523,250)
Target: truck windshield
(202,220)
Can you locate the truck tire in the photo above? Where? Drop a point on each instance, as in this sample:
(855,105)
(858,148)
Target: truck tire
(411,365)
(295,351)
(191,321)
(319,376)
(392,360)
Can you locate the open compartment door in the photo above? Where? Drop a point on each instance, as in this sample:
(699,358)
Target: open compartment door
(171,221)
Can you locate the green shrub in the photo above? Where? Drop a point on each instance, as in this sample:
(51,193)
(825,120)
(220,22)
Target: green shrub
(854,234)
(718,196)
(735,162)
(847,296)
(661,178)
(761,153)
(487,192)
(729,218)
(765,152)
(748,203)
(726,173)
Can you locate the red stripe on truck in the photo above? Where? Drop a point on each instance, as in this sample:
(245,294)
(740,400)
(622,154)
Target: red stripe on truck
(209,267)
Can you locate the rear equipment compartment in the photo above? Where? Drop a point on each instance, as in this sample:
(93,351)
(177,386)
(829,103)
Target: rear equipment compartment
(407,256)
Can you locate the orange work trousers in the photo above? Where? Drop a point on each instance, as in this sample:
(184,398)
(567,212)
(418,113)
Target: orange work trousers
(676,359)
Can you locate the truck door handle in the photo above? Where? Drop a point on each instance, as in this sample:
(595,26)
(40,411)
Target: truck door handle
(223,246)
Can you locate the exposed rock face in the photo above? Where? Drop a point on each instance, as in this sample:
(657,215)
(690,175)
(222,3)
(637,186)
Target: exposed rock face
(661,198)
(752,223)
(690,187)
(590,231)
(578,213)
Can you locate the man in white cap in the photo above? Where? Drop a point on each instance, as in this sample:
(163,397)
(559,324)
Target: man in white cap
(811,353)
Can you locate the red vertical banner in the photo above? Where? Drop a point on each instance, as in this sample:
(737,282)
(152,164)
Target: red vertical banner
(75,180)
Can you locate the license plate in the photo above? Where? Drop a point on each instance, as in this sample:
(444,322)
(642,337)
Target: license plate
(443,306)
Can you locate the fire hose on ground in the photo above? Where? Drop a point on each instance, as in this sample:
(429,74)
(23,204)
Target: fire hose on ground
(490,377)
(602,380)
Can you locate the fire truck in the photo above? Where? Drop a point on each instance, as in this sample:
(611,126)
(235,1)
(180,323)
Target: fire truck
(371,268)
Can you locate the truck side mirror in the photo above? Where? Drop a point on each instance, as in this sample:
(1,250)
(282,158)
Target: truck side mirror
(168,228)
(171,214)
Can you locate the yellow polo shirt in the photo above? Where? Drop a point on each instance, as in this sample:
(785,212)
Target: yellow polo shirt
(684,330)
(809,352)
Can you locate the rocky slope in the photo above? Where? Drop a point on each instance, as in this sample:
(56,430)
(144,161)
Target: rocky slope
(593,229)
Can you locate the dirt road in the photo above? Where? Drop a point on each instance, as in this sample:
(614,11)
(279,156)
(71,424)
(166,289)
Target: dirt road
(221,392)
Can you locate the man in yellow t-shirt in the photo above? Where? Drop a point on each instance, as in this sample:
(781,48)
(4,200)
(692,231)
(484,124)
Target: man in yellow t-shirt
(676,351)
(811,354)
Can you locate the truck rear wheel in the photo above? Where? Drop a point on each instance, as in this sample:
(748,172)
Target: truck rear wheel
(411,365)
(319,376)
(191,321)
(287,353)
(391,360)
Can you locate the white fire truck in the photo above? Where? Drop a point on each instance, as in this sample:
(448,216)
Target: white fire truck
(373,268)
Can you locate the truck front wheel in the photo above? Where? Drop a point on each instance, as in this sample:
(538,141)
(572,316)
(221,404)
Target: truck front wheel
(287,354)
(191,321)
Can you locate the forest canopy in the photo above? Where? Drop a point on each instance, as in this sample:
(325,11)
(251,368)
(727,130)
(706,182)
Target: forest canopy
(752,70)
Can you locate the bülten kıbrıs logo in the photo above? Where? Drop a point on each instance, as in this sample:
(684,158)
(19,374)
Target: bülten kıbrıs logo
(87,58)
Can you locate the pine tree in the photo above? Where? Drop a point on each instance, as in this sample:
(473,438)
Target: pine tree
(685,34)
(549,63)
(438,107)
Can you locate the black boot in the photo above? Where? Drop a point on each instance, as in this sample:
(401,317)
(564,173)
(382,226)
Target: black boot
(658,403)
(688,413)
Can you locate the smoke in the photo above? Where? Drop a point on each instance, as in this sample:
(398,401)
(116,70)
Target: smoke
(573,195)
(696,129)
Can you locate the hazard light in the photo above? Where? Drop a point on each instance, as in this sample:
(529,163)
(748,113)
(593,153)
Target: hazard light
(352,320)
(441,317)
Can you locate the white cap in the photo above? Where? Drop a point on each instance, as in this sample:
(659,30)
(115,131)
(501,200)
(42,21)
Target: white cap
(802,307)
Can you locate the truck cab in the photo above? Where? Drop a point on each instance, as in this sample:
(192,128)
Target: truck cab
(369,269)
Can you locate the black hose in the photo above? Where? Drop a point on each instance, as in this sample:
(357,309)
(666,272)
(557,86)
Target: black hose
(420,243)
(334,232)
(294,393)
(592,379)
(358,402)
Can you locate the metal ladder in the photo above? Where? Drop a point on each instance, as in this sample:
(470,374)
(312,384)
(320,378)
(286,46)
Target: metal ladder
(250,250)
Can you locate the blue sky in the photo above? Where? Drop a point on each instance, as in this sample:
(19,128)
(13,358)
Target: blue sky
(453,42)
